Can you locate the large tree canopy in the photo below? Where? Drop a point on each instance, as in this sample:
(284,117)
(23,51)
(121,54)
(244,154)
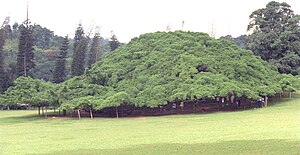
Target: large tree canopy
(161,67)
(276,36)
(30,91)
(158,68)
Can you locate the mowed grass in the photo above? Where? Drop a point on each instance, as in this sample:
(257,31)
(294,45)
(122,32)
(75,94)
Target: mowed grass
(272,130)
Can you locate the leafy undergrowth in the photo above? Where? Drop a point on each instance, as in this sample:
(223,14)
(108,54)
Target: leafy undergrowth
(272,130)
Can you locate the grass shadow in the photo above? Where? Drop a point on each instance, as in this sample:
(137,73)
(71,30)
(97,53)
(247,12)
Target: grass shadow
(224,147)
(20,119)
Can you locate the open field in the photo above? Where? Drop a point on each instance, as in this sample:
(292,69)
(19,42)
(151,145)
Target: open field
(272,130)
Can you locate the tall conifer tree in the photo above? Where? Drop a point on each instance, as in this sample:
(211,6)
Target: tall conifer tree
(5,80)
(95,50)
(60,65)
(25,55)
(80,45)
(113,42)
(2,72)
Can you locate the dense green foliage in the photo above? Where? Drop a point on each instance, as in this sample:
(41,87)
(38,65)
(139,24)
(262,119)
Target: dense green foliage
(42,36)
(60,65)
(30,91)
(25,55)
(45,55)
(79,50)
(276,35)
(241,41)
(158,68)
(273,131)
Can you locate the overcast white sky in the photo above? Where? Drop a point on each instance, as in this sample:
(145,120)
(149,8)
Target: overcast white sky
(130,18)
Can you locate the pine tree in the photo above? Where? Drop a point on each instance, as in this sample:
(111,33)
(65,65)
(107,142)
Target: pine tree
(113,42)
(80,45)
(60,65)
(2,72)
(94,54)
(5,80)
(25,55)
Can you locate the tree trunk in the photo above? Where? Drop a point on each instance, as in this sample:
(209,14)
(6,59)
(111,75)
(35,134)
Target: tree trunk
(64,112)
(117,113)
(266,101)
(78,113)
(8,108)
(196,104)
(91,113)
(280,95)
(43,111)
(46,112)
(122,110)
(54,108)
(290,94)
(39,110)
(58,112)
(222,102)
(232,99)
(181,106)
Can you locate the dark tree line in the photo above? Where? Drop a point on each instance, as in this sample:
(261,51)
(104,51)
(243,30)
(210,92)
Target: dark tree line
(33,50)
(241,41)
(275,37)
(3,78)
(80,50)
(40,39)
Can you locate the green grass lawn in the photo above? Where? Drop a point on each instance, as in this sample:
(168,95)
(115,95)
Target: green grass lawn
(272,130)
